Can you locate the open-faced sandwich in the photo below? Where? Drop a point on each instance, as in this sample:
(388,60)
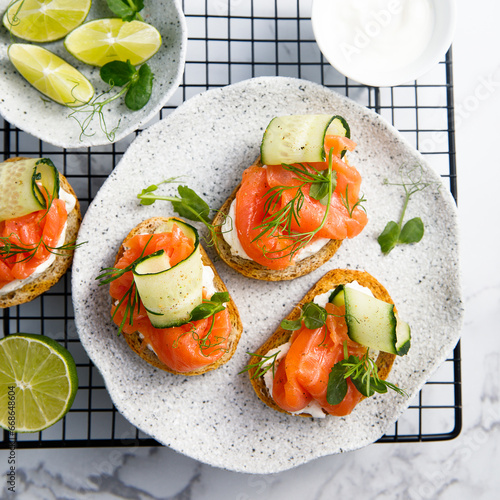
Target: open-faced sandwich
(168,300)
(39,221)
(296,204)
(335,348)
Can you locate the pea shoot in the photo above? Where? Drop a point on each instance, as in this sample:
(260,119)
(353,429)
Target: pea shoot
(363,373)
(128,10)
(395,233)
(137,88)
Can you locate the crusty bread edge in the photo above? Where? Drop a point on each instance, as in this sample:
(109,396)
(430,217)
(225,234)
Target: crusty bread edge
(134,339)
(330,280)
(252,269)
(61,263)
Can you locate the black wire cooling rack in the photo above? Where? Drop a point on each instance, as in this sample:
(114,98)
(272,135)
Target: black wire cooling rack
(230,41)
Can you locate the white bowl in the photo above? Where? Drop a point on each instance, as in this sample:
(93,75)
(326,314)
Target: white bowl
(371,53)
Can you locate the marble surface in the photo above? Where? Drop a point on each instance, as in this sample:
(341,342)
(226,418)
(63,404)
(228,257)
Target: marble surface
(464,468)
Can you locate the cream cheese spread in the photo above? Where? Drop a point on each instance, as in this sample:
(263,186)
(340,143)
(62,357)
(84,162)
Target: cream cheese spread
(230,235)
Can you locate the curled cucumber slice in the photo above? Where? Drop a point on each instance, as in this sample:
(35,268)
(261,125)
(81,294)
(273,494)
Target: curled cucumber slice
(25,186)
(372,322)
(300,138)
(169,294)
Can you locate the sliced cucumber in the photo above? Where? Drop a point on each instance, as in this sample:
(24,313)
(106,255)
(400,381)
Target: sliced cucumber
(169,294)
(337,296)
(25,185)
(403,334)
(372,322)
(299,138)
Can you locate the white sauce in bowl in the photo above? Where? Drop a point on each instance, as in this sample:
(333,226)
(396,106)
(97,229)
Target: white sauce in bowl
(381,42)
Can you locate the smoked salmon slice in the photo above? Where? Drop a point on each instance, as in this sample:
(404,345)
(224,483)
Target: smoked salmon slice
(39,230)
(302,375)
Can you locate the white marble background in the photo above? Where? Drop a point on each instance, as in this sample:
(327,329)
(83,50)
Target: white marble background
(467,467)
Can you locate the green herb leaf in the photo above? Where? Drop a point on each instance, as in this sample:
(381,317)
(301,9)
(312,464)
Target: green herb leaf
(389,237)
(190,202)
(314,315)
(363,373)
(369,385)
(128,10)
(205,310)
(149,189)
(291,325)
(140,89)
(412,231)
(319,191)
(117,73)
(220,297)
(210,307)
(336,389)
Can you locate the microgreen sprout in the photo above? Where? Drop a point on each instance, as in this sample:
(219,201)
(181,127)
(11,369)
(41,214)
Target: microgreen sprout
(137,88)
(412,231)
(188,205)
(363,373)
(128,10)
(266,363)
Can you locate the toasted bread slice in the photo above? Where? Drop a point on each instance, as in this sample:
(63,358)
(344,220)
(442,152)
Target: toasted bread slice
(58,268)
(331,280)
(252,269)
(135,341)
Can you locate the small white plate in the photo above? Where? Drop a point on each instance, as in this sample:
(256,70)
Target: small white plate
(217,417)
(27,109)
(396,42)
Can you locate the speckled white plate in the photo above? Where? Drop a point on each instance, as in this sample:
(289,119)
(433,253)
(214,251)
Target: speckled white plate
(217,418)
(27,109)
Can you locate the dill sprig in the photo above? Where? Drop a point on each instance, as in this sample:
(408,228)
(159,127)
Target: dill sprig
(9,249)
(204,342)
(345,202)
(279,223)
(131,296)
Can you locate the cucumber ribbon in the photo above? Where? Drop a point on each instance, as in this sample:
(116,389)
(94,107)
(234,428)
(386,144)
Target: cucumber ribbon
(27,185)
(173,295)
(300,138)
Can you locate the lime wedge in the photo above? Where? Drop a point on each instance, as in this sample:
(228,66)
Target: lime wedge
(51,75)
(45,20)
(38,382)
(103,40)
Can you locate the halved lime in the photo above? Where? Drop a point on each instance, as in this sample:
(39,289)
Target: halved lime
(103,40)
(51,75)
(38,382)
(45,20)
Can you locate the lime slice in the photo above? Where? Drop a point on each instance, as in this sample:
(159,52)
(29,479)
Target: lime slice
(38,382)
(45,20)
(51,75)
(103,40)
